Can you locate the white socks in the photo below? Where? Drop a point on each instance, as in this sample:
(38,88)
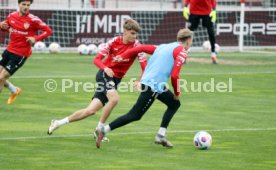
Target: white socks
(63,121)
(213,54)
(100,125)
(11,87)
(162,131)
(106,128)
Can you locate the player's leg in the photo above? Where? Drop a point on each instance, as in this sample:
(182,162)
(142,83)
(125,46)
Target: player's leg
(113,99)
(98,101)
(8,84)
(4,75)
(107,88)
(2,67)
(207,22)
(143,103)
(4,59)
(13,63)
(194,21)
(167,97)
(193,24)
(15,91)
(12,88)
(91,109)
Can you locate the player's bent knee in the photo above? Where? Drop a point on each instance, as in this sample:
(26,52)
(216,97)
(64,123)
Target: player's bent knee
(2,79)
(114,99)
(3,76)
(176,105)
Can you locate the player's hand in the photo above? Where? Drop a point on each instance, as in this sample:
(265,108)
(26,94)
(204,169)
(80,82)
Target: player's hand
(109,72)
(186,13)
(213,16)
(176,97)
(30,40)
(4,25)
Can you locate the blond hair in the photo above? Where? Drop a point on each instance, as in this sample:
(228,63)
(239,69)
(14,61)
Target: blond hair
(131,24)
(184,34)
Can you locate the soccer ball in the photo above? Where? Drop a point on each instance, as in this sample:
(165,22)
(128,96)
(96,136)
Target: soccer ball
(39,46)
(101,46)
(207,46)
(83,49)
(54,47)
(202,140)
(92,49)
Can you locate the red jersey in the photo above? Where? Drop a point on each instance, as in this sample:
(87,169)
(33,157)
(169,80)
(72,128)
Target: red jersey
(179,55)
(21,27)
(201,7)
(116,47)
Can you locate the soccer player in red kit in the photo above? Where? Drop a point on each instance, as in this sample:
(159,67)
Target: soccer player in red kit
(108,77)
(204,10)
(22,27)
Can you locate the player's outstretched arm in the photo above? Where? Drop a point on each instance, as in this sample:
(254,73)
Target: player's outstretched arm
(132,53)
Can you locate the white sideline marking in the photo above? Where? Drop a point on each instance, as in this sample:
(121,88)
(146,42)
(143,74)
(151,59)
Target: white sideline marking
(92,76)
(135,133)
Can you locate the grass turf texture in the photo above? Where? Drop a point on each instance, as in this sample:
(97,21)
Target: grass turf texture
(242,123)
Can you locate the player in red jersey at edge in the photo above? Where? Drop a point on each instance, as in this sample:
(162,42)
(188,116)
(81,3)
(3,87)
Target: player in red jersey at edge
(22,27)
(108,77)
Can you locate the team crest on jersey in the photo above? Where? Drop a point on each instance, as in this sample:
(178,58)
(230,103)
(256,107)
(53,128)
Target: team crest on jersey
(26,25)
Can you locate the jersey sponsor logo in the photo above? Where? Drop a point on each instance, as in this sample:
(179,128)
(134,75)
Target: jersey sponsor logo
(26,25)
(11,30)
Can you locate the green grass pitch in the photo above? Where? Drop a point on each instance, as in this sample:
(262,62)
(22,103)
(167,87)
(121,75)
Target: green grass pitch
(242,123)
